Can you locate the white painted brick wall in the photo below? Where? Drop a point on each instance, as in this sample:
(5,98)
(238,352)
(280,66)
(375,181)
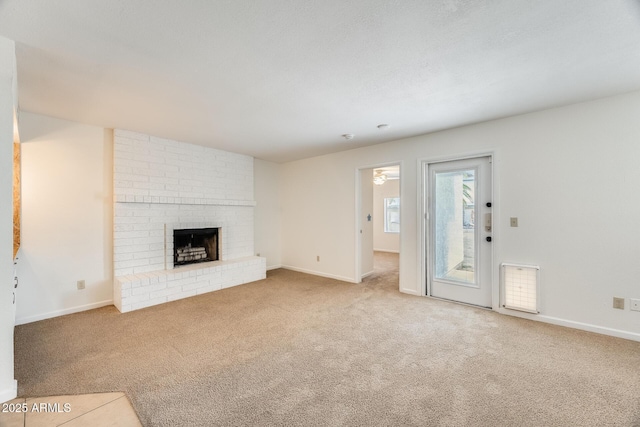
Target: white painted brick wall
(139,233)
(159,185)
(146,166)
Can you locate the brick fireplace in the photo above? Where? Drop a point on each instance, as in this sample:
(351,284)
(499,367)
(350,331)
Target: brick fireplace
(161,186)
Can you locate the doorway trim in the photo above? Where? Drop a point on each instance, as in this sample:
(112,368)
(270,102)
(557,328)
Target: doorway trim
(423,186)
(358,215)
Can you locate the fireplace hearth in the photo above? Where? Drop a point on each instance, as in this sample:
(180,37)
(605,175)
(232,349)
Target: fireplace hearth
(194,245)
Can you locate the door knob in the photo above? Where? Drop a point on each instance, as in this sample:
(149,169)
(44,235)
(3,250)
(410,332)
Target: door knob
(488,238)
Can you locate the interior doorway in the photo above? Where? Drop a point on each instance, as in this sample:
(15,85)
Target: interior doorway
(459,230)
(378,222)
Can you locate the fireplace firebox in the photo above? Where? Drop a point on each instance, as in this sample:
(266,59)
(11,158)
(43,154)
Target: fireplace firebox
(194,245)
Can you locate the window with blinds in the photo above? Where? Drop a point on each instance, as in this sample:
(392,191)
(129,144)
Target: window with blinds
(521,287)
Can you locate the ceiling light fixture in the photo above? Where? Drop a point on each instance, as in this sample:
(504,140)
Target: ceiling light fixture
(379,177)
(384,126)
(348,136)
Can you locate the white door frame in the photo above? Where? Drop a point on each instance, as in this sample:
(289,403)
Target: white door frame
(423,176)
(358,211)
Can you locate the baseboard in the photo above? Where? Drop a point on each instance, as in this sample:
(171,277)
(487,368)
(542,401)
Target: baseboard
(10,393)
(318,273)
(273,267)
(367,274)
(385,250)
(409,291)
(57,313)
(633,336)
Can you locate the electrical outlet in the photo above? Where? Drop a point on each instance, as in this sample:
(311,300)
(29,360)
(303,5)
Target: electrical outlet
(514,221)
(318,258)
(80,284)
(634,304)
(618,303)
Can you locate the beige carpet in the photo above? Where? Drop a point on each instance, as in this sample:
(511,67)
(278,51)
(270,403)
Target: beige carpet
(302,350)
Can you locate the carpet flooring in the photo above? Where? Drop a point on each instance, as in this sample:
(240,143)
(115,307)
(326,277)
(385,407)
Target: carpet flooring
(295,349)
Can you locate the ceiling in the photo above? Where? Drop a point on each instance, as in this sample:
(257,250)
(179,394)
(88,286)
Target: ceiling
(283,79)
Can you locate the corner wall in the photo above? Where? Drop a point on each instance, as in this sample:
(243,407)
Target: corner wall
(569,174)
(268,224)
(8,101)
(67,217)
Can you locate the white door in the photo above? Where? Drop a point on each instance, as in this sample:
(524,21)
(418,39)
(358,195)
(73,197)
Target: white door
(366,223)
(459,230)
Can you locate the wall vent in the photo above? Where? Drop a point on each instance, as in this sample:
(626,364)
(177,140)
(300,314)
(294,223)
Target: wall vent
(521,287)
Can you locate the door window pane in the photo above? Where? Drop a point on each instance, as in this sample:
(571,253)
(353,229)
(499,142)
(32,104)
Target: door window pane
(454,225)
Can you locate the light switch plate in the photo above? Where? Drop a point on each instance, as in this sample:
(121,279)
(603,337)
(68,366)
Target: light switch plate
(514,221)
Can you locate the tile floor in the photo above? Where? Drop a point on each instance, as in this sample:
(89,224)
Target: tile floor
(96,410)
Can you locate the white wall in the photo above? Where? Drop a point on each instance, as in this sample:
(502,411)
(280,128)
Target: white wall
(569,174)
(67,217)
(267,224)
(318,215)
(386,242)
(8,98)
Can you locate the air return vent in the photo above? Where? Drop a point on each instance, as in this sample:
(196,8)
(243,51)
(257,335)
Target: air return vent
(521,286)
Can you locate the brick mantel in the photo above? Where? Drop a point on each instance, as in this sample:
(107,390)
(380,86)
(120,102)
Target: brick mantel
(182,201)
